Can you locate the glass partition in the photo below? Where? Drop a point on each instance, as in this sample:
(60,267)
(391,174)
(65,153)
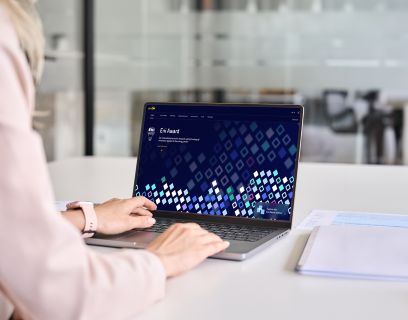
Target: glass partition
(59,105)
(345,61)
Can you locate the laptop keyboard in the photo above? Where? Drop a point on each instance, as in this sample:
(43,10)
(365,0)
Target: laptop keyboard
(224,231)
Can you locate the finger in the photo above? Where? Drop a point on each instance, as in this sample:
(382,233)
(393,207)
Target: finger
(142,212)
(190,225)
(141,202)
(210,238)
(215,247)
(184,229)
(72,205)
(169,235)
(141,222)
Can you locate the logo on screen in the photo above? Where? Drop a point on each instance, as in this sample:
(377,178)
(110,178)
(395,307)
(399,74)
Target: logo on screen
(150,133)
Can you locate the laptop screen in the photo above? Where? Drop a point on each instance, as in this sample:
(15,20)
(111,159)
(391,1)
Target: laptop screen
(225,160)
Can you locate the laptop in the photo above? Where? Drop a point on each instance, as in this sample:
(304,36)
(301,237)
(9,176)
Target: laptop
(231,168)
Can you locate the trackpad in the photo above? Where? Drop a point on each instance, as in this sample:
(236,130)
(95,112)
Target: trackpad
(140,237)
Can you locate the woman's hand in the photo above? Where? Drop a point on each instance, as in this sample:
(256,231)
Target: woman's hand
(120,215)
(117,215)
(185,245)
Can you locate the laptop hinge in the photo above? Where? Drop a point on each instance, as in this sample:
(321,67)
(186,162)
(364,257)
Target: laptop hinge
(222,219)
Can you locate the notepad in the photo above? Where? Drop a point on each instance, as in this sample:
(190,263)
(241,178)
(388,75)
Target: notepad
(356,252)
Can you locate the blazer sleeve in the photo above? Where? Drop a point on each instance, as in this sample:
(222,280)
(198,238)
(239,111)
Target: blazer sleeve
(46,270)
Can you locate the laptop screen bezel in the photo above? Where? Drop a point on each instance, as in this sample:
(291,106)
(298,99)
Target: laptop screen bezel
(243,220)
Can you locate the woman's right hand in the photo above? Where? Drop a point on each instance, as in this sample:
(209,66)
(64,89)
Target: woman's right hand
(185,245)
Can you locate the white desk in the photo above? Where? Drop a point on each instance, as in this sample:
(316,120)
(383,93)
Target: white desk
(265,286)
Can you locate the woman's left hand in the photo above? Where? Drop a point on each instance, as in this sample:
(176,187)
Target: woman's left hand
(120,215)
(117,215)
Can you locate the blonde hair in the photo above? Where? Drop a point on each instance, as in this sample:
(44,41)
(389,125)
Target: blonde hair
(29,30)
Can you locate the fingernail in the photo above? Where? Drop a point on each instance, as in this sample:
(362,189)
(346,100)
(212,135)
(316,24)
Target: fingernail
(227,243)
(151,220)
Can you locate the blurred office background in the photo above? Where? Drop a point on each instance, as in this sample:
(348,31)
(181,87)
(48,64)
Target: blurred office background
(346,61)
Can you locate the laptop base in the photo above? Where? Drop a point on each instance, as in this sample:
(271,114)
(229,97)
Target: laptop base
(237,251)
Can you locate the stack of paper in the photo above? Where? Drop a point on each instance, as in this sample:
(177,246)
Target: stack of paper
(328,217)
(356,252)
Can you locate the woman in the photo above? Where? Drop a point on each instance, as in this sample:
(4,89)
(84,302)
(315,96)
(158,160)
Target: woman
(46,271)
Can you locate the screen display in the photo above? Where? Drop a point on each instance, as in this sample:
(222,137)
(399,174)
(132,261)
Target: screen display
(221,160)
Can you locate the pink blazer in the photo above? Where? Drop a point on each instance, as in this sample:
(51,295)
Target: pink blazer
(46,271)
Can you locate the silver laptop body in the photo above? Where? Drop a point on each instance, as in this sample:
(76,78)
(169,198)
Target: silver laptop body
(229,167)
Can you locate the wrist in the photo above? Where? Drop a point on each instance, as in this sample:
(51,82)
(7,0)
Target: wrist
(90,221)
(164,261)
(76,217)
(102,223)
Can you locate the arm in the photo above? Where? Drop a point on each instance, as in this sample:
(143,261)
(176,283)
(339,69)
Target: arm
(46,270)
